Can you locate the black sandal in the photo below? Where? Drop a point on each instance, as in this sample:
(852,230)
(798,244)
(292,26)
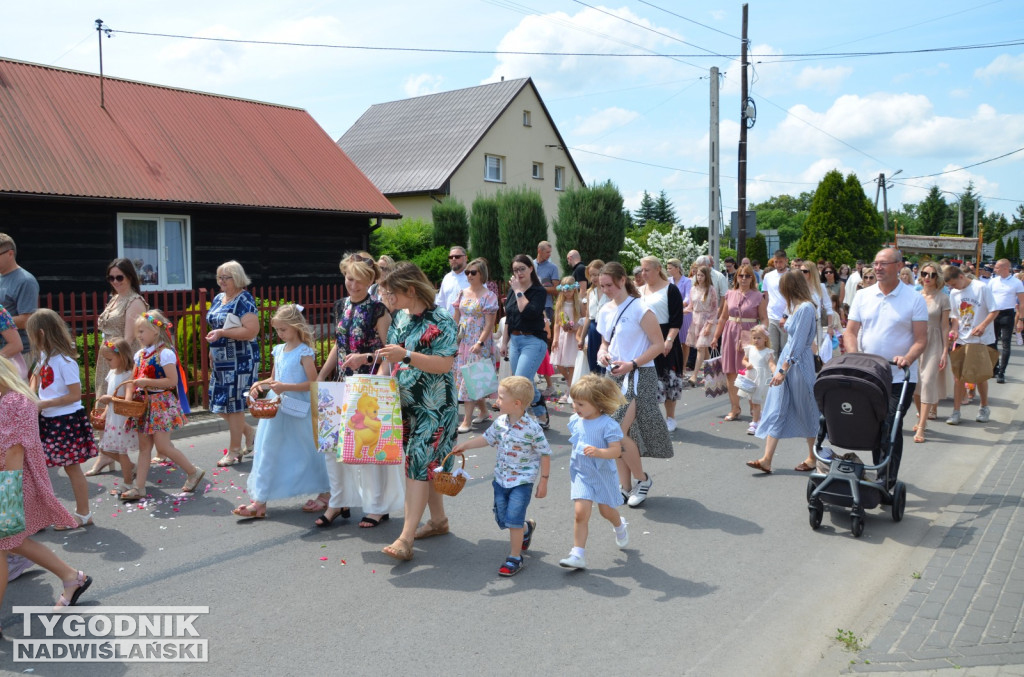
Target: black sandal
(369,522)
(324,521)
(546,423)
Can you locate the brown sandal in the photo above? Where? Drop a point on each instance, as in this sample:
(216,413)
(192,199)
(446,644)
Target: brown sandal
(757,466)
(430,529)
(401,549)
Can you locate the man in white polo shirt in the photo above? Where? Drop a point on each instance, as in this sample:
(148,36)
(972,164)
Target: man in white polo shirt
(972,311)
(1008,294)
(454,280)
(890,319)
(776,304)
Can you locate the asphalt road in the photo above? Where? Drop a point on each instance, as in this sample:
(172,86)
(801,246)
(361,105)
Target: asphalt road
(722,576)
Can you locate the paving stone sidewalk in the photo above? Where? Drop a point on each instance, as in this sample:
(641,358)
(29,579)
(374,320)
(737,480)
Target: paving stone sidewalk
(966,609)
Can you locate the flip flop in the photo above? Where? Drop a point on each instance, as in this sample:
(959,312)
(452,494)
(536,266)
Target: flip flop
(757,466)
(369,522)
(803,467)
(317,504)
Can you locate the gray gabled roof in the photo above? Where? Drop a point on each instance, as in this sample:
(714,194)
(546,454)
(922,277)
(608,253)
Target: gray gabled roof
(415,145)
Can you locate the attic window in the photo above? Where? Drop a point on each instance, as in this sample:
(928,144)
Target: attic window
(526,118)
(559,178)
(538,170)
(494,168)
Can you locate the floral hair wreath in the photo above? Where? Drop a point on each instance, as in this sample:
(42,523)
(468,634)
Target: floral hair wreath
(111,346)
(568,287)
(151,317)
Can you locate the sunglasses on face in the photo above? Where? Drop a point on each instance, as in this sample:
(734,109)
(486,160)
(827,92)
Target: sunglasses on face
(830,272)
(929,275)
(473,272)
(115,278)
(869,277)
(455,256)
(743,276)
(805,271)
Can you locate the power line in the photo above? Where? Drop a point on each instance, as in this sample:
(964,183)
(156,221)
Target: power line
(680,169)
(950,192)
(680,16)
(920,23)
(438,50)
(960,169)
(646,28)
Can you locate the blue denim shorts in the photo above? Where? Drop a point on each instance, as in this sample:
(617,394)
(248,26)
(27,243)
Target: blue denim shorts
(510,504)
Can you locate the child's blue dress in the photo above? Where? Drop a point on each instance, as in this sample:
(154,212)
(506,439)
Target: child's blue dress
(594,479)
(286,462)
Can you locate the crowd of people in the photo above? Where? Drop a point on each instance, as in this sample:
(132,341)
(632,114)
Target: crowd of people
(626,346)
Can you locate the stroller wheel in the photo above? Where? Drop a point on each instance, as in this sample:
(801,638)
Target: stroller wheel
(815,512)
(899,501)
(857,526)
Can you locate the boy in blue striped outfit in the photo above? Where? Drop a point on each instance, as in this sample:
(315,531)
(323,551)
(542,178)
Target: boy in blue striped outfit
(523,459)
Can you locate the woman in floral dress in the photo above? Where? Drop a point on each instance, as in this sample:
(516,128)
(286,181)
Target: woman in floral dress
(474,315)
(704,306)
(234,356)
(361,325)
(422,343)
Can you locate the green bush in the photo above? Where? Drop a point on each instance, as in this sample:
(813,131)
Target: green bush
(483,236)
(521,222)
(402,241)
(451,225)
(757,249)
(434,263)
(591,220)
(81,340)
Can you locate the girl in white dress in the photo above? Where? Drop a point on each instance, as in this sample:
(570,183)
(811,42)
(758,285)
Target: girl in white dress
(568,313)
(119,440)
(759,361)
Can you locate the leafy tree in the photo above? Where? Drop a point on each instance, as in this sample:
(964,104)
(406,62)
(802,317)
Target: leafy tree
(904,220)
(933,214)
(434,263)
(785,214)
(451,225)
(843,224)
(483,236)
(402,240)
(967,201)
(664,241)
(1013,250)
(521,222)
(997,227)
(700,234)
(664,212)
(757,249)
(1000,252)
(646,211)
(1018,216)
(591,220)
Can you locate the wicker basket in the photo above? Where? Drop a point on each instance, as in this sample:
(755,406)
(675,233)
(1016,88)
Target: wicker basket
(265,408)
(128,406)
(448,484)
(98,419)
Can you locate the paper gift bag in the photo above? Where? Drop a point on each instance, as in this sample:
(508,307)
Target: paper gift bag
(372,416)
(12,503)
(715,382)
(480,379)
(327,400)
(974,362)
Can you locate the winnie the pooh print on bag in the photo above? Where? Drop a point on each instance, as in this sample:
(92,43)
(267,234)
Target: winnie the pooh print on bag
(365,425)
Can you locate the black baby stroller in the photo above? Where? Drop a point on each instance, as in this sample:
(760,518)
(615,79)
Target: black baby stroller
(853,392)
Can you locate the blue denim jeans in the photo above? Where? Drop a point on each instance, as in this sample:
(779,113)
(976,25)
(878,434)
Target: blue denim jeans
(525,353)
(510,504)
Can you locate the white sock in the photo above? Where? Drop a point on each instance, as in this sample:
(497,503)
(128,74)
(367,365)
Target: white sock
(578,552)
(622,526)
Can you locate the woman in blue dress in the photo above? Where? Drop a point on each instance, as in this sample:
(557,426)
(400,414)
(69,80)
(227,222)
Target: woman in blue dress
(234,356)
(286,462)
(790,409)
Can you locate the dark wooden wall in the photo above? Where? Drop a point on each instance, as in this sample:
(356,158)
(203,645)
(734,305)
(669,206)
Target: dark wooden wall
(67,244)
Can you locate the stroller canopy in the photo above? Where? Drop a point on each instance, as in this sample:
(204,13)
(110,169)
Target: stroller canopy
(853,392)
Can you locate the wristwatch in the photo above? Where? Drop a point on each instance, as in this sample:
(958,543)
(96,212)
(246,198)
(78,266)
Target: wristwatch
(519,294)
(408,357)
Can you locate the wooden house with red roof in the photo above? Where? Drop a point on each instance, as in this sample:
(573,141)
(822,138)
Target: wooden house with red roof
(176,180)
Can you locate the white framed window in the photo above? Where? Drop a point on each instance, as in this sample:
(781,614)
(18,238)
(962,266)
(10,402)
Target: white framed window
(526,119)
(538,170)
(494,168)
(160,246)
(559,178)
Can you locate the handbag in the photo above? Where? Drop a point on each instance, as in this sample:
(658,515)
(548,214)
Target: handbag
(372,421)
(294,406)
(480,379)
(327,400)
(715,381)
(12,503)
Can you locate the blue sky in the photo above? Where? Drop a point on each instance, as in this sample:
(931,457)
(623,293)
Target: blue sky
(641,122)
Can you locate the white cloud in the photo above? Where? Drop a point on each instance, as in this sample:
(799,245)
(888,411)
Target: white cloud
(603,121)
(824,79)
(959,93)
(424,83)
(1003,65)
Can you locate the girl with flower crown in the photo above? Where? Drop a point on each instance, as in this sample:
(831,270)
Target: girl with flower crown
(568,314)
(158,373)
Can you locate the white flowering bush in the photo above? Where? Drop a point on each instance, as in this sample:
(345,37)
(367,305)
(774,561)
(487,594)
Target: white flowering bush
(664,241)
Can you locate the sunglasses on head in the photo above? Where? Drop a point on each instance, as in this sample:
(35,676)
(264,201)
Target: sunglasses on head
(472,272)
(115,278)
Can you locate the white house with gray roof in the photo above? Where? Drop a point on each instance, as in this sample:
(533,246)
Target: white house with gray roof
(463,143)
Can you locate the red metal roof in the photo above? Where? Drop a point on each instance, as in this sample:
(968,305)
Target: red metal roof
(170,145)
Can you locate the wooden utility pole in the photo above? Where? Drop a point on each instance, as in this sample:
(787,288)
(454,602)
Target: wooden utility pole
(741,187)
(714,209)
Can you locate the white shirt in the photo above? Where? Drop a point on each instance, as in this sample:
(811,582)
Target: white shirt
(887,323)
(1005,290)
(721,284)
(970,306)
(630,340)
(851,287)
(452,284)
(776,304)
(55,375)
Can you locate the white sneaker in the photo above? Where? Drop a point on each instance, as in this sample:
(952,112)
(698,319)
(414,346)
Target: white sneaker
(671,423)
(752,429)
(621,534)
(954,418)
(983,414)
(573,562)
(639,493)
